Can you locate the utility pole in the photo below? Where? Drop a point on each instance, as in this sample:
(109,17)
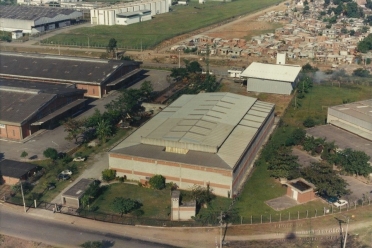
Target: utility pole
(207,60)
(221,222)
(179,58)
(23,198)
(347,226)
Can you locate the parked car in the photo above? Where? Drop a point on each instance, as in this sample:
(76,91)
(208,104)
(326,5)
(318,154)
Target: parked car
(63,177)
(66,172)
(51,186)
(340,203)
(79,159)
(331,199)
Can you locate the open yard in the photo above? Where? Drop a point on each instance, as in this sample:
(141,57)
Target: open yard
(155,203)
(180,20)
(320,97)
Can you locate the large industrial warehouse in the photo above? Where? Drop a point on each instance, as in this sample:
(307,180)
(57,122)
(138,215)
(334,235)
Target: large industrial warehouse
(205,139)
(129,13)
(95,76)
(271,78)
(354,117)
(31,19)
(28,106)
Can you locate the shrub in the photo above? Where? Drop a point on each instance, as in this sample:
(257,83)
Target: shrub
(121,179)
(51,153)
(309,122)
(108,175)
(157,182)
(24,154)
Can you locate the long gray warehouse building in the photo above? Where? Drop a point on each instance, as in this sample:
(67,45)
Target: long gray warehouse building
(271,78)
(354,117)
(205,139)
(31,19)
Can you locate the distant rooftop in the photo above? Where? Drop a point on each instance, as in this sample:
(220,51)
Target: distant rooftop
(287,73)
(361,110)
(61,68)
(32,12)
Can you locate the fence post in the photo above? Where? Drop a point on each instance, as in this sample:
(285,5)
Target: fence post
(251,219)
(355,204)
(241,220)
(280,217)
(270,218)
(307,214)
(316,213)
(298,215)
(289,215)
(261,218)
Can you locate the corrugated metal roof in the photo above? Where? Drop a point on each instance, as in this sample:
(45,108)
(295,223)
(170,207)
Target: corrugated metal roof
(287,73)
(226,128)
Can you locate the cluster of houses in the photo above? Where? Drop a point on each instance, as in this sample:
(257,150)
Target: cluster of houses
(302,36)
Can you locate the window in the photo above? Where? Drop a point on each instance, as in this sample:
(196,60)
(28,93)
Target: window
(13,133)
(93,91)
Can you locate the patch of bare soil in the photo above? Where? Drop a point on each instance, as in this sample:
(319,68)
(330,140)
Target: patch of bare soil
(12,242)
(245,26)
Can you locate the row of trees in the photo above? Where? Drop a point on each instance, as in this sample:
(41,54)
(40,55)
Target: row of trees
(102,125)
(282,164)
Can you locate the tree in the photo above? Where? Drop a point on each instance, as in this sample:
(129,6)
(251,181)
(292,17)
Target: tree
(92,244)
(283,164)
(108,175)
(360,72)
(51,153)
(24,154)
(202,195)
(146,90)
(355,162)
(128,102)
(123,205)
(112,46)
(308,68)
(103,130)
(298,136)
(75,128)
(327,182)
(179,73)
(157,182)
(193,67)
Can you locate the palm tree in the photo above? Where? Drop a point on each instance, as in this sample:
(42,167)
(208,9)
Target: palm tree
(103,130)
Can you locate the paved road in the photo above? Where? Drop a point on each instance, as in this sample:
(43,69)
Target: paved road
(30,227)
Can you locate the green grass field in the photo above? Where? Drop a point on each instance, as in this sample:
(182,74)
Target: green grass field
(320,97)
(156,203)
(181,20)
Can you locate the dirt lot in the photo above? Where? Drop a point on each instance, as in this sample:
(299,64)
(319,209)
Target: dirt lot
(11,242)
(246,26)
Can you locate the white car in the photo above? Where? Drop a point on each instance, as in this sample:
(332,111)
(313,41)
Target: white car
(79,159)
(66,172)
(340,203)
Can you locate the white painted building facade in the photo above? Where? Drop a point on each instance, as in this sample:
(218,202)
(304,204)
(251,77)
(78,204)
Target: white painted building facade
(129,13)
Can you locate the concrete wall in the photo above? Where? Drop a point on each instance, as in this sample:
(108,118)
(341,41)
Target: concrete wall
(184,175)
(301,197)
(11,132)
(269,86)
(92,90)
(10,180)
(70,202)
(182,213)
(16,24)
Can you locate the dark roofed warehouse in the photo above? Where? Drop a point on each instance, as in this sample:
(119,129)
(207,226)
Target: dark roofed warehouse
(92,75)
(25,106)
(13,171)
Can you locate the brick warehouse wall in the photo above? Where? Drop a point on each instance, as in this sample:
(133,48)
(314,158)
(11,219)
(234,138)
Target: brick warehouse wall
(246,163)
(94,91)
(10,132)
(184,175)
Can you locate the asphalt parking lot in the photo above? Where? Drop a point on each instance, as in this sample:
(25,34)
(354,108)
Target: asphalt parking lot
(158,79)
(342,139)
(358,188)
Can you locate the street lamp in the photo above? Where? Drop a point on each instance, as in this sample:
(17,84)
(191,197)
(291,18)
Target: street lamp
(179,58)
(347,227)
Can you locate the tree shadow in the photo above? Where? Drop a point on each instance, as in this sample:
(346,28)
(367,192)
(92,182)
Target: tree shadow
(1,156)
(107,243)
(292,235)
